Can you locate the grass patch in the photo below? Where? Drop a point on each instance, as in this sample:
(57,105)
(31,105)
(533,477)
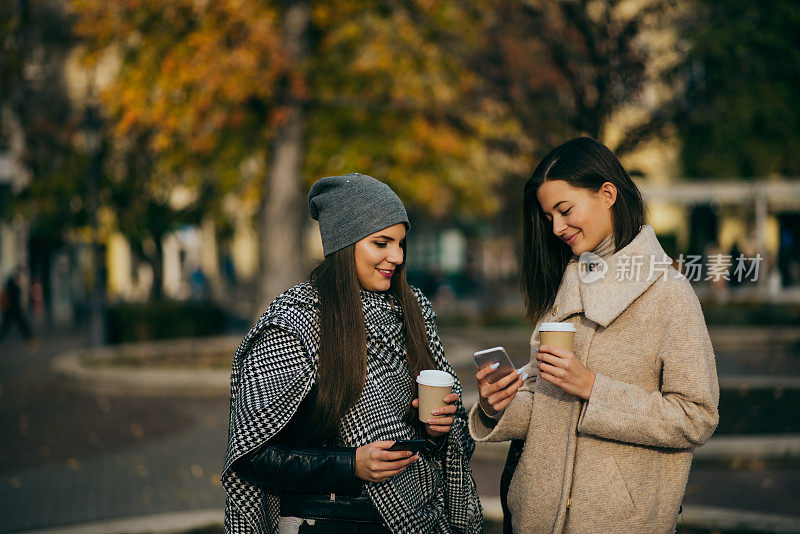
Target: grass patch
(215,360)
(165,319)
(751,313)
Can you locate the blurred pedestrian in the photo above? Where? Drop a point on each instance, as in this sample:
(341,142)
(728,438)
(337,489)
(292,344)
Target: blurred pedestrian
(12,311)
(324,385)
(608,427)
(199,284)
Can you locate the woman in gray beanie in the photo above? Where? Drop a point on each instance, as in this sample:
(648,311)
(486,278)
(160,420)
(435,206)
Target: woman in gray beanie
(323,386)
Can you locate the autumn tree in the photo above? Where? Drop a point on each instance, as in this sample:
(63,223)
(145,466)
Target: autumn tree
(541,72)
(738,112)
(302,89)
(193,98)
(396,95)
(568,67)
(141,202)
(36,113)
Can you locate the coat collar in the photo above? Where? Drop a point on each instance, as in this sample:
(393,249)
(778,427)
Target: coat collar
(631,271)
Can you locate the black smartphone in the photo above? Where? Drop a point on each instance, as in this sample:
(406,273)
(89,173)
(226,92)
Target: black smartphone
(413,445)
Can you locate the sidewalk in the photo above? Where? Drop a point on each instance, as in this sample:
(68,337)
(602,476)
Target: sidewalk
(72,457)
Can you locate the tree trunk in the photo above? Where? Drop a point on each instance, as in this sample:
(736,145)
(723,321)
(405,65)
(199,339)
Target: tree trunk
(281,214)
(157,263)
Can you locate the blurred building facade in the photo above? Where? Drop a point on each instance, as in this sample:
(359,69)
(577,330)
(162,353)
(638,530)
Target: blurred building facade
(754,217)
(13,178)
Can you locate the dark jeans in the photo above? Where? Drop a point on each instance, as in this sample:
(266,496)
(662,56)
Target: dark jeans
(329,526)
(514,452)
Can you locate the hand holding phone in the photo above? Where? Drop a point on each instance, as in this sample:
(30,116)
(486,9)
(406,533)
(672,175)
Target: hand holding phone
(375,463)
(496,388)
(495,355)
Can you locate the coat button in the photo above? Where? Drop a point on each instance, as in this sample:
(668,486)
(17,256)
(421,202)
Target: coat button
(555,310)
(569,502)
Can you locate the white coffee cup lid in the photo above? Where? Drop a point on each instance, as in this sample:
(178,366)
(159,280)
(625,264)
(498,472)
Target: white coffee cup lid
(432,377)
(556,327)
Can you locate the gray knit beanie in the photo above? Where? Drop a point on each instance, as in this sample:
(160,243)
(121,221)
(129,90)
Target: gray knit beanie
(351,207)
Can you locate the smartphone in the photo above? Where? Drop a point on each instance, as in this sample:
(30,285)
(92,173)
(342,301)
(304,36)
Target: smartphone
(495,355)
(413,445)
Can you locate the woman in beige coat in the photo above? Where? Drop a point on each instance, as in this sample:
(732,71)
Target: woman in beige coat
(609,428)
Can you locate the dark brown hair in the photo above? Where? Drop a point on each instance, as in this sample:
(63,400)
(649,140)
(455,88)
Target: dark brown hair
(581,162)
(342,366)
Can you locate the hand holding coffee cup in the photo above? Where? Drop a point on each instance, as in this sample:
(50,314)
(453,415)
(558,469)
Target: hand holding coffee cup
(436,402)
(558,364)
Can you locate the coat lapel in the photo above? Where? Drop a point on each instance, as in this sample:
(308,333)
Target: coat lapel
(568,299)
(631,270)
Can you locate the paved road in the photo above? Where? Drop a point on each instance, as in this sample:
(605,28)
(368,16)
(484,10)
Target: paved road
(68,457)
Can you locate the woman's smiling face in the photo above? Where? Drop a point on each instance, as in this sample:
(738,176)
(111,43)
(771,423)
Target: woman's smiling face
(377,257)
(582,218)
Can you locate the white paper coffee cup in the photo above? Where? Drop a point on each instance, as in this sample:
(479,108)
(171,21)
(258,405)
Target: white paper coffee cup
(558,335)
(433,387)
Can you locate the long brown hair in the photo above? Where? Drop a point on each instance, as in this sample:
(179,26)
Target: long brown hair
(581,162)
(342,367)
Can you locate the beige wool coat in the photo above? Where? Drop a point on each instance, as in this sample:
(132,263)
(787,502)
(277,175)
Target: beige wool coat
(619,462)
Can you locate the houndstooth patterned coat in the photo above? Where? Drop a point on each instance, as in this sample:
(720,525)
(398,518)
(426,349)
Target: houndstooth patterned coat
(270,378)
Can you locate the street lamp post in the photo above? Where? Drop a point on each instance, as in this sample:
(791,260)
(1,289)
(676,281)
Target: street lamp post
(92,133)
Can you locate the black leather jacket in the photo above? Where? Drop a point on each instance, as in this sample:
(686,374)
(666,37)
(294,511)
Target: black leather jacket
(316,479)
